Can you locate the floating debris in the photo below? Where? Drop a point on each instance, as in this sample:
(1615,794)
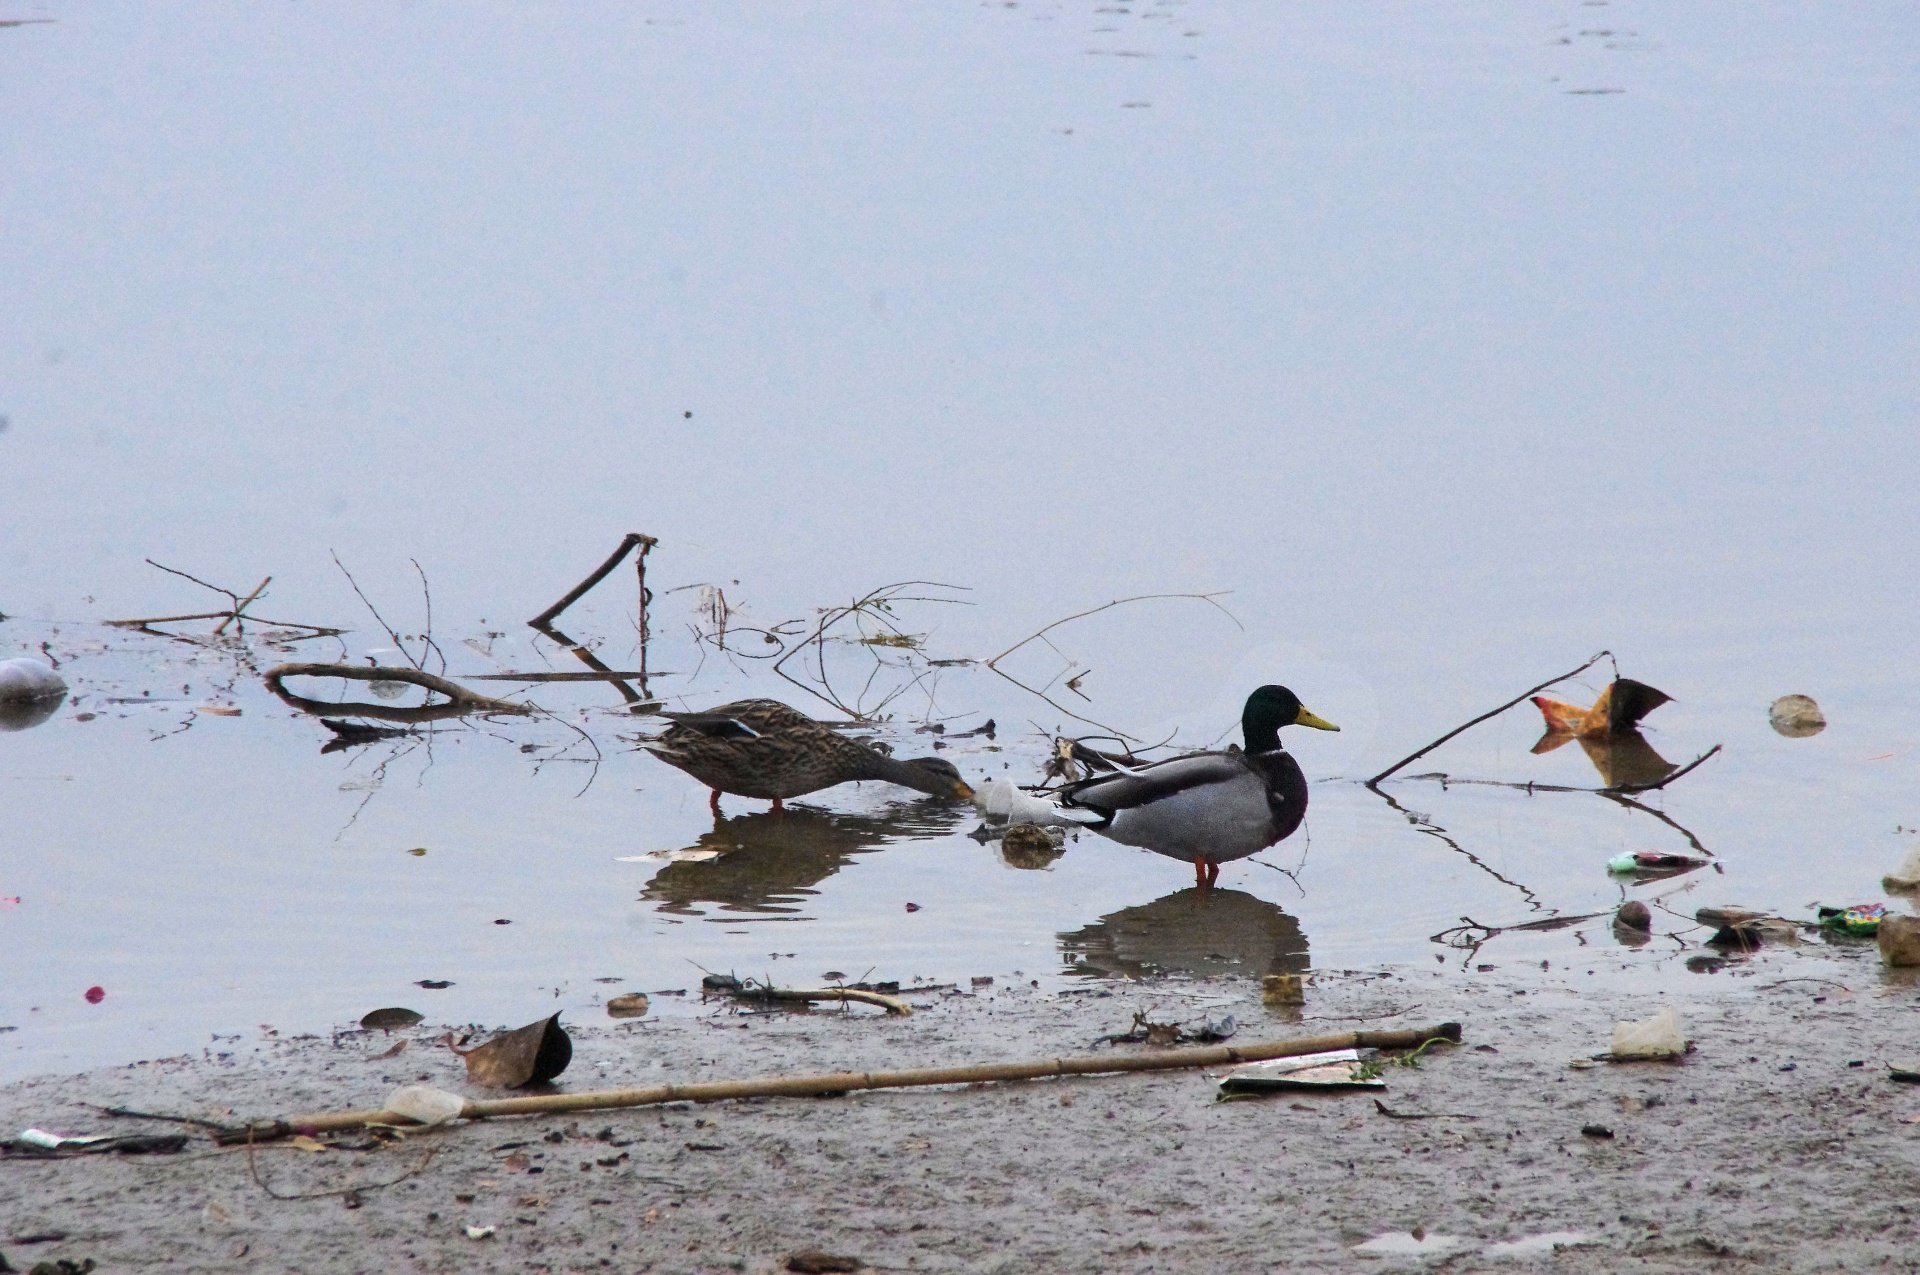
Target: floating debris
(1796,716)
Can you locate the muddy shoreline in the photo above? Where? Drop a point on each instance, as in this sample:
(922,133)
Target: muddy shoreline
(1779,1144)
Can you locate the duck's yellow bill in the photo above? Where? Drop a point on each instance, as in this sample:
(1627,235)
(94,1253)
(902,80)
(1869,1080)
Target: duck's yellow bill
(1318,723)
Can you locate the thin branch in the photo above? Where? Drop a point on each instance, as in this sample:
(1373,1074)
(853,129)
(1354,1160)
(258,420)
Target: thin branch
(1041,635)
(381,620)
(627,545)
(428,644)
(240,608)
(172,571)
(1416,756)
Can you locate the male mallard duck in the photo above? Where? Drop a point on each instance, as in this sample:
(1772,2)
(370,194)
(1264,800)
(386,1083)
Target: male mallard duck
(762,748)
(1209,808)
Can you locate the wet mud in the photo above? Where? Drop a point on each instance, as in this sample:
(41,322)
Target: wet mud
(1780,1143)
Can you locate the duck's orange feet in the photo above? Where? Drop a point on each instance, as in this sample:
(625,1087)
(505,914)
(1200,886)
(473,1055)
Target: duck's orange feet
(1205,874)
(777,807)
(714,804)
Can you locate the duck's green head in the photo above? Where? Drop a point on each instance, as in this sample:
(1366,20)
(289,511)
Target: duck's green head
(1270,708)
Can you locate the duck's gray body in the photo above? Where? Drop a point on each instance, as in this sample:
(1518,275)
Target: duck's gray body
(1208,808)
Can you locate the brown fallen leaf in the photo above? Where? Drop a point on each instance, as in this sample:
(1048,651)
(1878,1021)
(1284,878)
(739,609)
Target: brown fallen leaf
(219,710)
(529,1055)
(813,1262)
(390,1051)
(305,1143)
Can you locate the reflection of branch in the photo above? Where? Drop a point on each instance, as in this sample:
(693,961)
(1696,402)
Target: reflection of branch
(1413,757)
(1040,635)
(1426,826)
(1618,790)
(1662,816)
(461,701)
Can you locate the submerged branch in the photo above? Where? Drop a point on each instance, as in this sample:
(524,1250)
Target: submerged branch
(461,701)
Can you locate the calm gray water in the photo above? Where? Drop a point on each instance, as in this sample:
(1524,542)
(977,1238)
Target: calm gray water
(1457,342)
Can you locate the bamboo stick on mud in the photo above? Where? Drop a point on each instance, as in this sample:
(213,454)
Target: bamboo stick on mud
(844,1082)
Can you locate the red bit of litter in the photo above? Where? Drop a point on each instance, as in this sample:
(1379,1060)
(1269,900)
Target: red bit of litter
(11,901)
(913,907)
(95,995)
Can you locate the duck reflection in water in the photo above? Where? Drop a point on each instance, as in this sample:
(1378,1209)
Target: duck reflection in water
(770,862)
(1201,931)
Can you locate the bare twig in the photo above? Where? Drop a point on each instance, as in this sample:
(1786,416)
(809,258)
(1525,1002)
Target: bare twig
(379,619)
(426,637)
(240,607)
(874,607)
(1211,599)
(1465,726)
(253,1169)
(628,543)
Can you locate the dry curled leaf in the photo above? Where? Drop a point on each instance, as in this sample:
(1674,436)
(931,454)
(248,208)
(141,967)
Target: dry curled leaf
(530,1055)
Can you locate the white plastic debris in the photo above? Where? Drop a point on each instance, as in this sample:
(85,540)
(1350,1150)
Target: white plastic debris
(425,1104)
(25,681)
(1333,1069)
(669,856)
(1657,1037)
(1002,800)
(54,1141)
(479,1232)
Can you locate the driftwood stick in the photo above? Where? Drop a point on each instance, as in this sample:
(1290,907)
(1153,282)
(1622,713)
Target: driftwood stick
(844,1082)
(461,700)
(892,1004)
(627,544)
(1410,758)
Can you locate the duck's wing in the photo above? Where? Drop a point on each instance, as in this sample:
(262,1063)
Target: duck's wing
(742,719)
(1112,793)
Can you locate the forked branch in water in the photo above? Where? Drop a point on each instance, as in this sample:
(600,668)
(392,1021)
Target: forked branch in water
(1410,758)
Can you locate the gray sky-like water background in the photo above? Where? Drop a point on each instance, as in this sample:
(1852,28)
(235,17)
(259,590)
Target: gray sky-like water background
(1456,341)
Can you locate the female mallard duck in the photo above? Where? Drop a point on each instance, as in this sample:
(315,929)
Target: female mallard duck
(762,748)
(1209,808)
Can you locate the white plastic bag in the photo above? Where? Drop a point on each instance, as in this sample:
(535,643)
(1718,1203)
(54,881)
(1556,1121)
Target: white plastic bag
(425,1104)
(1657,1037)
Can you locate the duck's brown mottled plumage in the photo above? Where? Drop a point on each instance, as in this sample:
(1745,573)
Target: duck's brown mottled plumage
(763,748)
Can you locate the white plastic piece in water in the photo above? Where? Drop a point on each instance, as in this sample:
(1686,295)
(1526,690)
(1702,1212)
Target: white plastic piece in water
(1002,800)
(24,680)
(1907,875)
(1657,1037)
(425,1104)
(479,1232)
